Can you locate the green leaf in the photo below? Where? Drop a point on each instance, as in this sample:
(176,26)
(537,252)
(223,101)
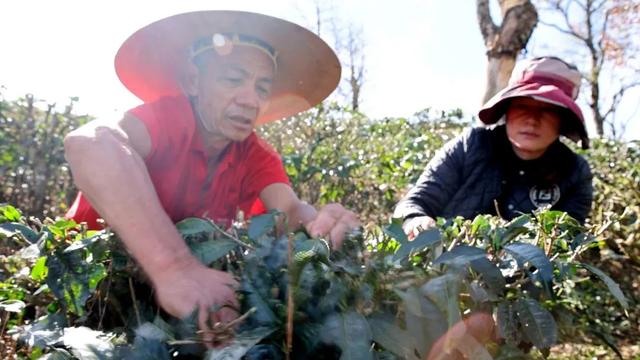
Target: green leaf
(516,227)
(537,323)
(443,291)
(260,225)
(395,231)
(392,338)
(86,243)
(11,229)
(507,323)
(258,297)
(39,270)
(46,331)
(210,251)
(72,279)
(151,331)
(425,322)
(527,255)
(85,343)
(480,224)
(241,343)
(14,306)
(460,255)
(307,250)
(349,331)
(424,240)
(490,274)
(614,288)
(9,213)
(193,226)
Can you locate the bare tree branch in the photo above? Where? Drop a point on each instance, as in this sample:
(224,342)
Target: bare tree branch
(562,30)
(488,28)
(599,6)
(615,101)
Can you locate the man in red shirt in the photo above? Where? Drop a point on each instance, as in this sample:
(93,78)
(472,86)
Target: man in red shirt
(207,79)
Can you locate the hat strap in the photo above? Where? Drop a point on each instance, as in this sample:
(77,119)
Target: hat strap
(218,40)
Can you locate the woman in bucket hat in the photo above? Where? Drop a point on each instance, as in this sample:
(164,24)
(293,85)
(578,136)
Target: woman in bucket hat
(207,79)
(516,165)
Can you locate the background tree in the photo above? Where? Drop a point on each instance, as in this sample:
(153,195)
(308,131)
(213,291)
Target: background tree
(347,40)
(505,41)
(33,170)
(606,32)
(350,46)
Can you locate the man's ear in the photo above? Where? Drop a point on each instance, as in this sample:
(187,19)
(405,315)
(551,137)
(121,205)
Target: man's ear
(190,79)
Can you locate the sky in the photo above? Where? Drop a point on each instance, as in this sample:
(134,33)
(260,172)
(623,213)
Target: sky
(418,53)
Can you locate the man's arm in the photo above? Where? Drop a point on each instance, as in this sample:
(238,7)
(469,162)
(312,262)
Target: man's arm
(332,220)
(107,164)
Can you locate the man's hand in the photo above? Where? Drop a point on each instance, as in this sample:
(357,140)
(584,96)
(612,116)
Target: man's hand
(467,339)
(185,287)
(335,221)
(413,226)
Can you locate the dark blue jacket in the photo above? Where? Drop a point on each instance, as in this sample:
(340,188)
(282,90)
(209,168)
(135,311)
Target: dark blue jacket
(478,169)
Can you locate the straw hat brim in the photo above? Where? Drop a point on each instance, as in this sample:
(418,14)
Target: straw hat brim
(151,62)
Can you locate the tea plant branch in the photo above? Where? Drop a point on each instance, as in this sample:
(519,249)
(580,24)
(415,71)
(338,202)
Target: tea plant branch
(224,330)
(4,323)
(106,296)
(135,303)
(230,236)
(290,303)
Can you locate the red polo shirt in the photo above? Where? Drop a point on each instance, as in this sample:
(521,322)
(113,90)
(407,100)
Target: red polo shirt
(178,166)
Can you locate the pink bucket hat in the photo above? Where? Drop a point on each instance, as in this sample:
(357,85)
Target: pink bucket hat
(546,79)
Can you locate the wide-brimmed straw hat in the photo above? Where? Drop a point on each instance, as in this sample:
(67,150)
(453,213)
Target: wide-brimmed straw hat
(546,79)
(152,61)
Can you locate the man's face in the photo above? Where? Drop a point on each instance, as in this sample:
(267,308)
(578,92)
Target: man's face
(532,126)
(233,90)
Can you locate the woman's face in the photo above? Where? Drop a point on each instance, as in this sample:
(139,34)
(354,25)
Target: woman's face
(532,126)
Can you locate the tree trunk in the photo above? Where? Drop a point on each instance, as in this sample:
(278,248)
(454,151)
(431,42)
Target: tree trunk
(498,72)
(504,42)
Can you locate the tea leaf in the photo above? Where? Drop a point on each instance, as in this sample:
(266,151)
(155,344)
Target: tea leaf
(393,338)
(39,270)
(537,323)
(14,306)
(443,291)
(508,323)
(351,332)
(527,255)
(491,275)
(396,232)
(11,229)
(193,226)
(210,251)
(260,225)
(242,343)
(424,240)
(9,213)
(460,255)
(614,288)
(425,323)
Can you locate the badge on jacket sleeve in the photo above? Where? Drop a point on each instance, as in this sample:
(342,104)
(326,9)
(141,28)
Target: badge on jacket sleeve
(544,196)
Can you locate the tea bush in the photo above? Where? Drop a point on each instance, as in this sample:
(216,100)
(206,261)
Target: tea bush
(60,283)
(33,170)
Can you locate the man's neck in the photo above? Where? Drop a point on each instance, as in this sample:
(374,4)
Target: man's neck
(214,144)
